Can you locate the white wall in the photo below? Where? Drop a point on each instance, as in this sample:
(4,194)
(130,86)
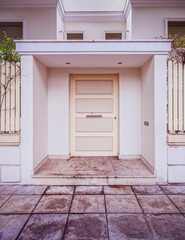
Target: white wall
(129,25)
(10,161)
(59,25)
(39,23)
(176,164)
(58,112)
(130,109)
(94,30)
(40,112)
(147,111)
(130,112)
(149,22)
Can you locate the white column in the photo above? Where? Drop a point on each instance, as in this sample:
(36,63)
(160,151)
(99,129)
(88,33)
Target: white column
(160,116)
(26,119)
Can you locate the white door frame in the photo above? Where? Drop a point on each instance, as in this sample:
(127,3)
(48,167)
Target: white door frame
(115,78)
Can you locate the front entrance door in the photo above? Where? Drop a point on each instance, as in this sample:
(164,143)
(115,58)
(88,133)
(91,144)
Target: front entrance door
(94,115)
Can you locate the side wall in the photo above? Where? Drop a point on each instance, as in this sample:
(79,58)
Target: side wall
(147,103)
(129,25)
(38,23)
(40,112)
(94,30)
(130,114)
(149,22)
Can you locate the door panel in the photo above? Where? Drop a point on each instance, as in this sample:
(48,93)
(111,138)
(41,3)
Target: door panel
(94,115)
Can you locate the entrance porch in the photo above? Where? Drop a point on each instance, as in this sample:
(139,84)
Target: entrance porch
(94,171)
(46,119)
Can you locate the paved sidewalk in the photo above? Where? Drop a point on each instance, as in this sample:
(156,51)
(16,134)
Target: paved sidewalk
(92,212)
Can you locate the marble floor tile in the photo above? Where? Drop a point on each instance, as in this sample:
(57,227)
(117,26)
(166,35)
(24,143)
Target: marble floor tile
(128,226)
(3,199)
(147,190)
(30,190)
(179,201)
(167,227)
(118,190)
(59,190)
(133,167)
(88,204)
(54,204)
(11,225)
(8,189)
(20,204)
(45,226)
(89,190)
(122,204)
(87,227)
(156,204)
(173,189)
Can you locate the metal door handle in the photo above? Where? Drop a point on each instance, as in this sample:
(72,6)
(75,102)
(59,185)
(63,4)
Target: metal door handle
(93,116)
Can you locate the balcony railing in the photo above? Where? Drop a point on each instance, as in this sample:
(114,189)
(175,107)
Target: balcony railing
(10,89)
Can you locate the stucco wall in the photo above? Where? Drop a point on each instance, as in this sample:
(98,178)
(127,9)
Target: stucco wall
(149,22)
(129,25)
(39,23)
(129,110)
(147,112)
(40,112)
(94,30)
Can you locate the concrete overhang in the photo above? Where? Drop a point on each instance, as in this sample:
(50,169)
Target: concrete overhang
(93,53)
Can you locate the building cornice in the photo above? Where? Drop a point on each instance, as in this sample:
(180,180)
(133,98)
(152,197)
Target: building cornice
(28,3)
(52,47)
(94,16)
(153,3)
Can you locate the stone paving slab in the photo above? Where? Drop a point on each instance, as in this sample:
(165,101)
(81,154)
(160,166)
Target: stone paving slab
(30,190)
(122,204)
(118,190)
(11,225)
(54,204)
(173,189)
(88,204)
(3,199)
(60,190)
(128,226)
(8,189)
(87,227)
(45,226)
(89,190)
(167,227)
(156,204)
(179,201)
(147,190)
(20,204)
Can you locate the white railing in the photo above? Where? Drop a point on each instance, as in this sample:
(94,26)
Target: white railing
(176,97)
(10,97)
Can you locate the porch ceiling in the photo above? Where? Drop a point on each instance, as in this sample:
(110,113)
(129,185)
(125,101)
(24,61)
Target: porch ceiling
(93,61)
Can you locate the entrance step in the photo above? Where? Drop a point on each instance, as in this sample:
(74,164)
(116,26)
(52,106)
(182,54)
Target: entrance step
(94,171)
(86,180)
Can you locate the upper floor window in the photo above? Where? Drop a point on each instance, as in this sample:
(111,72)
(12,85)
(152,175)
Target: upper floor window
(12,29)
(113,35)
(176,27)
(74,36)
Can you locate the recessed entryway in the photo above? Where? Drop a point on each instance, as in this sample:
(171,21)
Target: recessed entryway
(94,115)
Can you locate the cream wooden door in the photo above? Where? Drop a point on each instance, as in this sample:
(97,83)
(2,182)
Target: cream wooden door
(94,115)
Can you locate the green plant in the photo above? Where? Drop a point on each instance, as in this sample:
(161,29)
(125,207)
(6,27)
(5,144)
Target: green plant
(7,50)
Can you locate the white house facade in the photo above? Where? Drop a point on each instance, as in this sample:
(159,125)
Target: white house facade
(93,83)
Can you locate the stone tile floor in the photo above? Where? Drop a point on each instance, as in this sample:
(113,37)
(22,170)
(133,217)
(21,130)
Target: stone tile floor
(92,212)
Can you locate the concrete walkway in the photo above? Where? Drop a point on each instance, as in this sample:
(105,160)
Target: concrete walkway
(92,212)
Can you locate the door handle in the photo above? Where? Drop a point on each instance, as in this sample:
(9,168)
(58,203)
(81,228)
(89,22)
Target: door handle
(93,116)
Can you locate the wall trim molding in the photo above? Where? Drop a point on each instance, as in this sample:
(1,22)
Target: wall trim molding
(58,156)
(127,9)
(40,164)
(153,3)
(10,139)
